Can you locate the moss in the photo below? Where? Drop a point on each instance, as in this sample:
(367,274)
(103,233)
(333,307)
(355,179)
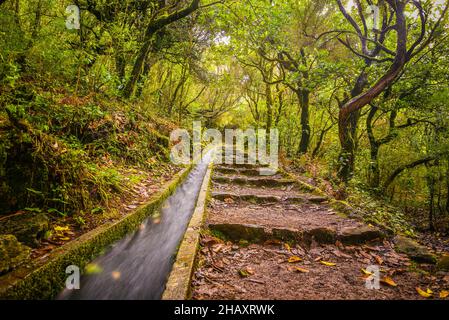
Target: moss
(443,263)
(46,280)
(28,227)
(12,253)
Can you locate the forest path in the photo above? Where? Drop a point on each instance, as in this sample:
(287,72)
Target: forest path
(282,243)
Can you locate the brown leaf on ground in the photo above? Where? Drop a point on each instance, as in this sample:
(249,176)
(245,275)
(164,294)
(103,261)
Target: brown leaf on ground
(379,260)
(246,272)
(208,240)
(301,270)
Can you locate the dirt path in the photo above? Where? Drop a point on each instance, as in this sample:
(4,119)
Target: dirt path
(268,240)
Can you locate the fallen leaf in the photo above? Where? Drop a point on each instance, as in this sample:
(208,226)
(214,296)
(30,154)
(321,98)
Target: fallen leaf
(423,293)
(229,200)
(388,281)
(157,220)
(216,248)
(246,272)
(444,294)
(59,228)
(318,259)
(116,275)
(93,268)
(366,272)
(329,264)
(302,270)
(287,247)
(378,259)
(294,259)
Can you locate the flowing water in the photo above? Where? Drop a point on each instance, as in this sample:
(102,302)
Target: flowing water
(137,267)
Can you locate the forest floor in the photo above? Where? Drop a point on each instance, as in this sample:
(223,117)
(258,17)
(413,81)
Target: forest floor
(267,239)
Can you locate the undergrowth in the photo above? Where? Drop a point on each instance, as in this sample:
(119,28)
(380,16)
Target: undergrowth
(63,154)
(373,208)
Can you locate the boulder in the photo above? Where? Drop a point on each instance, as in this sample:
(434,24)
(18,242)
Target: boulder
(443,263)
(360,235)
(414,250)
(12,253)
(28,227)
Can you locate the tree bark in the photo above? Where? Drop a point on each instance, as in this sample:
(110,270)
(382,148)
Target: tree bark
(412,165)
(349,111)
(151,30)
(304,102)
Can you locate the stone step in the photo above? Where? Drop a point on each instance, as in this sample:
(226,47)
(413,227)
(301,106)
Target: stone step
(259,182)
(244,165)
(249,172)
(222,196)
(254,233)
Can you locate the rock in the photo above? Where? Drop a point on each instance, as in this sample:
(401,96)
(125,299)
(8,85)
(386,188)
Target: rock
(443,263)
(320,235)
(414,250)
(12,253)
(28,227)
(360,235)
(286,234)
(317,199)
(237,232)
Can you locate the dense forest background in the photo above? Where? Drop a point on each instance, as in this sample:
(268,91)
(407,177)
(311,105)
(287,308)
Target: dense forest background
(359,95)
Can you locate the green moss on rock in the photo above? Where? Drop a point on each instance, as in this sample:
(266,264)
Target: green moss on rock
(12,253)
(414,250)
(28,227)
(443,263)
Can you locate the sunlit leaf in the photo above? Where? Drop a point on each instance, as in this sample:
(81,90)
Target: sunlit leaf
(329,264)
(423,293)
(93,268)
(302,270)
(388,281)
(116,275)
(366,272)
(294,259)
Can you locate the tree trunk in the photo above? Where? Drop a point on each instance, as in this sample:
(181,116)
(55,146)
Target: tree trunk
(269,102)
(137,69)
(151,30)
(346,115)
(304,102)
(374,178)
(348,133)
